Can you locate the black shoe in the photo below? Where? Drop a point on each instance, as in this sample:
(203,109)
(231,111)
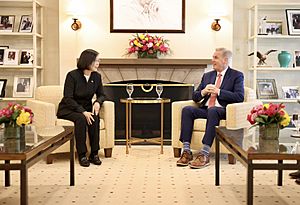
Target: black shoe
(295,175)
(298,181)
(84,162)
(95,160)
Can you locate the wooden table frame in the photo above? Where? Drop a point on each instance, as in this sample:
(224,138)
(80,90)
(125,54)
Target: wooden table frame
(246,158)
(27,159)
(129,139)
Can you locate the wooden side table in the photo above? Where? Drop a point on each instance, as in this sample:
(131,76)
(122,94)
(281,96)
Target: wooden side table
(143,100)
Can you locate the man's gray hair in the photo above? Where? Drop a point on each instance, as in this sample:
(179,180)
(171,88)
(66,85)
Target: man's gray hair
(225,53)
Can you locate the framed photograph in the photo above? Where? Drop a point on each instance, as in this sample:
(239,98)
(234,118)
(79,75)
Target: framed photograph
(273,27)
(2,87)
(266,89)
(297,58)
(290,92)
(26,57)
(152,16)
(26,24)
(7,23)
(293,21)
(2,49)
(11,56)
(23,86)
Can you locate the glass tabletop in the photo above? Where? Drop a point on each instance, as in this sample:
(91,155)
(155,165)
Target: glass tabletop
(145,100)
(248,141)
(34,136)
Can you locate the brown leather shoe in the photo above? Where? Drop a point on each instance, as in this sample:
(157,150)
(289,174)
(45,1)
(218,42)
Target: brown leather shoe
(298,181)
(185,158)
(295,175)
(201,161)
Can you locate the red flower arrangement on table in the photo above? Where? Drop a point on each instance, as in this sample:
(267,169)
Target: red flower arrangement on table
(269,114)
(16,114)
(147,46)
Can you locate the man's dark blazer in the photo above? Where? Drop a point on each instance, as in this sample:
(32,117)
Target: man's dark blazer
(231,89)
(78,93)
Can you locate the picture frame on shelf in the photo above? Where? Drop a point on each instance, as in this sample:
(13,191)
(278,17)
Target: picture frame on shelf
(2,51)
(297,58)
(152,16)
(26,24)
(293,21)
(23,86)
(273,27)
(26,57)
(2,87)
(266,89)
(11,57)
(7,23)
(290,92)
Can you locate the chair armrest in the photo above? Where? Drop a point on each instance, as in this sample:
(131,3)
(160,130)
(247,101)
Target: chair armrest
(107,113)
(44,113)
(176,119)
(236,114)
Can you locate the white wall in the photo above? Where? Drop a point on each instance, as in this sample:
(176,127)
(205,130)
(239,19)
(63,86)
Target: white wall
(198,41)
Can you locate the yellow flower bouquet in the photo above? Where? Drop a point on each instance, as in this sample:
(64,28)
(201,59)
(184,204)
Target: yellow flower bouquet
(16,114)
(148,46)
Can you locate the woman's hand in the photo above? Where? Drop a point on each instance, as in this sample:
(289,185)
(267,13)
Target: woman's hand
(96,108)
(89,117)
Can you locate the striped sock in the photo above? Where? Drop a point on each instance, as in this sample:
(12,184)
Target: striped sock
(205,150)
(186,146)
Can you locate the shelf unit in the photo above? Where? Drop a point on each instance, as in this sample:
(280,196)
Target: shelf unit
(262,43)
(23,41)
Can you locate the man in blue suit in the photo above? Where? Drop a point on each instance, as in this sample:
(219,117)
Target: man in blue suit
(217,89)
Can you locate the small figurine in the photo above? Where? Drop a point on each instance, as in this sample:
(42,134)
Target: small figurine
(262,30)
(262,57)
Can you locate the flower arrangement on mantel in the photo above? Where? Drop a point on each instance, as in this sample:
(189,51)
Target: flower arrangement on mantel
(16,114)
(148,46)
(264,115)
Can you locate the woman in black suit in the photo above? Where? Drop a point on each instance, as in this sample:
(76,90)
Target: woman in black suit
(80,86)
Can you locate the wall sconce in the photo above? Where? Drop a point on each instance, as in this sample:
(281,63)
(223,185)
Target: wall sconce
(215,25)
(76,24)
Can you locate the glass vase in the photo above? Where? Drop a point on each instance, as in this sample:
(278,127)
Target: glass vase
(269,132)
(13,131)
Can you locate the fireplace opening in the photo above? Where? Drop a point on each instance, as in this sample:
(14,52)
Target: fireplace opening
(145,117)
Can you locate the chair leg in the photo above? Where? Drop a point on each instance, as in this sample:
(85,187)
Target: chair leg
(231,159)
(107,152)
(177,151)
(49,159)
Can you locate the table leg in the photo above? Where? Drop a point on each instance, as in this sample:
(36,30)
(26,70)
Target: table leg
(279,179)
(130,113)
(24,183)
(161,128)
(7,174)
(217,161)
(250,184)
(72,170)
(126,115)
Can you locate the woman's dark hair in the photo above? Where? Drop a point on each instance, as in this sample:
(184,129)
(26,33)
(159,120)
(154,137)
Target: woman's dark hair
(87,57)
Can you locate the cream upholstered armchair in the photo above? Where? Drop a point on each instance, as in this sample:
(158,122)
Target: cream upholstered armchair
(44,107)
(236,118)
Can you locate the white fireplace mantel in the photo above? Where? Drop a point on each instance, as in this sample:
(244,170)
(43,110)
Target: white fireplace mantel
(175,70)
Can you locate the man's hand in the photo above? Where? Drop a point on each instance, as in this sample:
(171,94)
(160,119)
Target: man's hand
(89,117)
(210,89)
(96,108)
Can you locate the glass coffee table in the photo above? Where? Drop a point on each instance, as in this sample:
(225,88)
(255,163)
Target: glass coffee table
(25,152)
(257,154)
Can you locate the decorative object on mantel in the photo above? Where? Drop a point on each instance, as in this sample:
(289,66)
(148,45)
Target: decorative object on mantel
(270,118)
(262,57)
(284,59)
(148,46)
(15,117)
